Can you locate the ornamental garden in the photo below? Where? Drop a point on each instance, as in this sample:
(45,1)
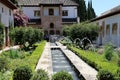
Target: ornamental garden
(20,64)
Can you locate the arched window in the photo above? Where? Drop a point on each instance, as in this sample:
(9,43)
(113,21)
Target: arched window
(51,25)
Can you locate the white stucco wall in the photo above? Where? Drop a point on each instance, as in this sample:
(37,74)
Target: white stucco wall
(29,11)
(72,11)
(6,19)
(115,39)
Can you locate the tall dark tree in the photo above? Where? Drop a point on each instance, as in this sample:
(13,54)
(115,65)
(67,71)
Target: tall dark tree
(90,11)
(14,1)
(82,13)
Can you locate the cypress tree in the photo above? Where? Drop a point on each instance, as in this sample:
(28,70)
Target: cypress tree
(90,11)
(82,13)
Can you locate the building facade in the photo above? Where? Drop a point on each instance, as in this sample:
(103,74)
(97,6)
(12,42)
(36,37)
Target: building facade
(6,18)
(109,27)
(50,15)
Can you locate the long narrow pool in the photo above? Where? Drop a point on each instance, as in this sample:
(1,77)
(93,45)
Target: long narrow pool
(60,62)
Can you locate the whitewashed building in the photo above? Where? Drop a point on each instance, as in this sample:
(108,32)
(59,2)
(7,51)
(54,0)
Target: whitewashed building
(109,27)
(50,15)
(6,17)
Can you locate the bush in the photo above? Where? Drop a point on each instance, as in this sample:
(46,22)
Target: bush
(118,75)
(108,51)
(3,64)
(22,73)
(22,35)
(40,75)
(81,31)
(105,75)
(6,75)
(118,62)
(62,75)
(1,34)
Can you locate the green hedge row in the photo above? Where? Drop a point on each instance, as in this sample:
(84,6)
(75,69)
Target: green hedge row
(95,60)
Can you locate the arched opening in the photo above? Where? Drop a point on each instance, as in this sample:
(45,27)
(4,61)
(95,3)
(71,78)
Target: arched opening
(51,25)
(57,32)
(51,32)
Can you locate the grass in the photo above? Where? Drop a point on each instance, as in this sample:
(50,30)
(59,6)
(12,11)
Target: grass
(99,60)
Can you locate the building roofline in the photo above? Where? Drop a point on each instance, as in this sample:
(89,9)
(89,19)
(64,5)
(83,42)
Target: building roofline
(108,13)
(9,4)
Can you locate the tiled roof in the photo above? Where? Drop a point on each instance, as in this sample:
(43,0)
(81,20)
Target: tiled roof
(38,2)
(8,3)
(111,12)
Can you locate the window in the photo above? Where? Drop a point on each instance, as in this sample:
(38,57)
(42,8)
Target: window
(114,28)
(51,25)
(51,12)
(65,13)
(9,12)
(36,13)
(107,29)
(2,10)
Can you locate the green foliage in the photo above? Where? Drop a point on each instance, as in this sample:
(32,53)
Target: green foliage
(90,11)
(117,75)
(22,35)
(1,34)
(40,75)
(3,64)
(108,51)
(6,75)
(96,60)
(81,31)
(22,73)
(118,62)
(62,75)
(66,30)
(105,75)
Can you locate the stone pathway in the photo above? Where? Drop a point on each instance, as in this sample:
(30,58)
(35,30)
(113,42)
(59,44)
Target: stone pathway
(87,71)
(8,48)
(45,62)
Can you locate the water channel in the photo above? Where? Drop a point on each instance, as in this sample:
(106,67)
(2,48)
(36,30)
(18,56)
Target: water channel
(60,62)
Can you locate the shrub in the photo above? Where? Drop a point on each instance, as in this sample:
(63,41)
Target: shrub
(22,73)
(3,63)
(22,35)
(105,75)
(118,62)
(40,75)
(82,30)
(1,34)
(6,75)
(118,75)
(108,51)
(62,75)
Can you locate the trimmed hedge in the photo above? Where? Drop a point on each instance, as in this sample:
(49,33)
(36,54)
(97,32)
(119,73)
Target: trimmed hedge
(22,73)
(62,75)
(97,61)
(40,75)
